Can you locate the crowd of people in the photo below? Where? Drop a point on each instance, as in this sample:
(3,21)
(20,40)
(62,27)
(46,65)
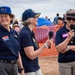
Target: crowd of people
(19,49)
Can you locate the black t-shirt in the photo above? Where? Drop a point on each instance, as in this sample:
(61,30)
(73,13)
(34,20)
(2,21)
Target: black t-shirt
(26,38)
(68,56)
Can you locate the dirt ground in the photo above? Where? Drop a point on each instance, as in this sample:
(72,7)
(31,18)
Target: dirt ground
(49,65)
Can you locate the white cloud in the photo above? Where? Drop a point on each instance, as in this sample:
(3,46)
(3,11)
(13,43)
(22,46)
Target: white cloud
(46,7)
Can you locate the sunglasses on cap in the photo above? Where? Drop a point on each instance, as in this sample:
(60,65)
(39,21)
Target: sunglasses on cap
(69,19)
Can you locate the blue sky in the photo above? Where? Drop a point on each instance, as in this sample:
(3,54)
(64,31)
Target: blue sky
(46,7)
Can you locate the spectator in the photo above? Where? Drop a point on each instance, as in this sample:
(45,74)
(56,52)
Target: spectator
(47,18)
(15,22)
(60,23)
(65,45)
(9,46)
(55,21)
(64,18)
(16,28)
(29,47)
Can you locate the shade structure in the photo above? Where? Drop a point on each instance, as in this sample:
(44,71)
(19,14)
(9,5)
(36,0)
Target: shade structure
(44,22)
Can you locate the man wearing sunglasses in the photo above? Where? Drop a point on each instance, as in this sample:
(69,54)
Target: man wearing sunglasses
(65,45)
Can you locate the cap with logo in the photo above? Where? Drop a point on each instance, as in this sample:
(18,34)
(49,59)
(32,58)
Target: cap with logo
(5,10)
(29,13)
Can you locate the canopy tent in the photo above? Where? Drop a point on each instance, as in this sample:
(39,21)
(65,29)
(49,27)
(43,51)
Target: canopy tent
(43,21)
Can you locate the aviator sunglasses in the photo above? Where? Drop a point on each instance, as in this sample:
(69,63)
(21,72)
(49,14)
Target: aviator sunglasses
(69,19)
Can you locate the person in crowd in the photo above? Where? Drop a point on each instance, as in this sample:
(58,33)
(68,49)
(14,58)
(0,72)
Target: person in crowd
(16,28)
(60,23)
(64,18)
(46,17)
(65,45)
(9,46)
(29,46)
(55,21)
(15,22)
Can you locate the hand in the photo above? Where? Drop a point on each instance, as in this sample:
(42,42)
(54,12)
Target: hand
(70,34)
(22,72)
(48,43)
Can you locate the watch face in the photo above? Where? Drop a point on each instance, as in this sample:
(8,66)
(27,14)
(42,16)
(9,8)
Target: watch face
(72,26)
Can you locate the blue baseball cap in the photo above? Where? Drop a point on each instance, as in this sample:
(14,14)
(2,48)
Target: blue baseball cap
(29,13)
(5,10)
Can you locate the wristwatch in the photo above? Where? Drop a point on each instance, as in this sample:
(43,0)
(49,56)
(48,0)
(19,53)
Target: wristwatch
(21,69)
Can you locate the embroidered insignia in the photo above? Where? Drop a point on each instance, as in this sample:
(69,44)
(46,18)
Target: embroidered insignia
(5,38)
(16,36)
(3,9)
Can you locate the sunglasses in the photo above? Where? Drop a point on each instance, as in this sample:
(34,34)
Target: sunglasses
(69,19)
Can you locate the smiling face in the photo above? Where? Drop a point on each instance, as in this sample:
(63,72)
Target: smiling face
(5,19)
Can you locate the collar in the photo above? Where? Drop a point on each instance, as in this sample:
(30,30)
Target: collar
(31,32)
(2,28)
